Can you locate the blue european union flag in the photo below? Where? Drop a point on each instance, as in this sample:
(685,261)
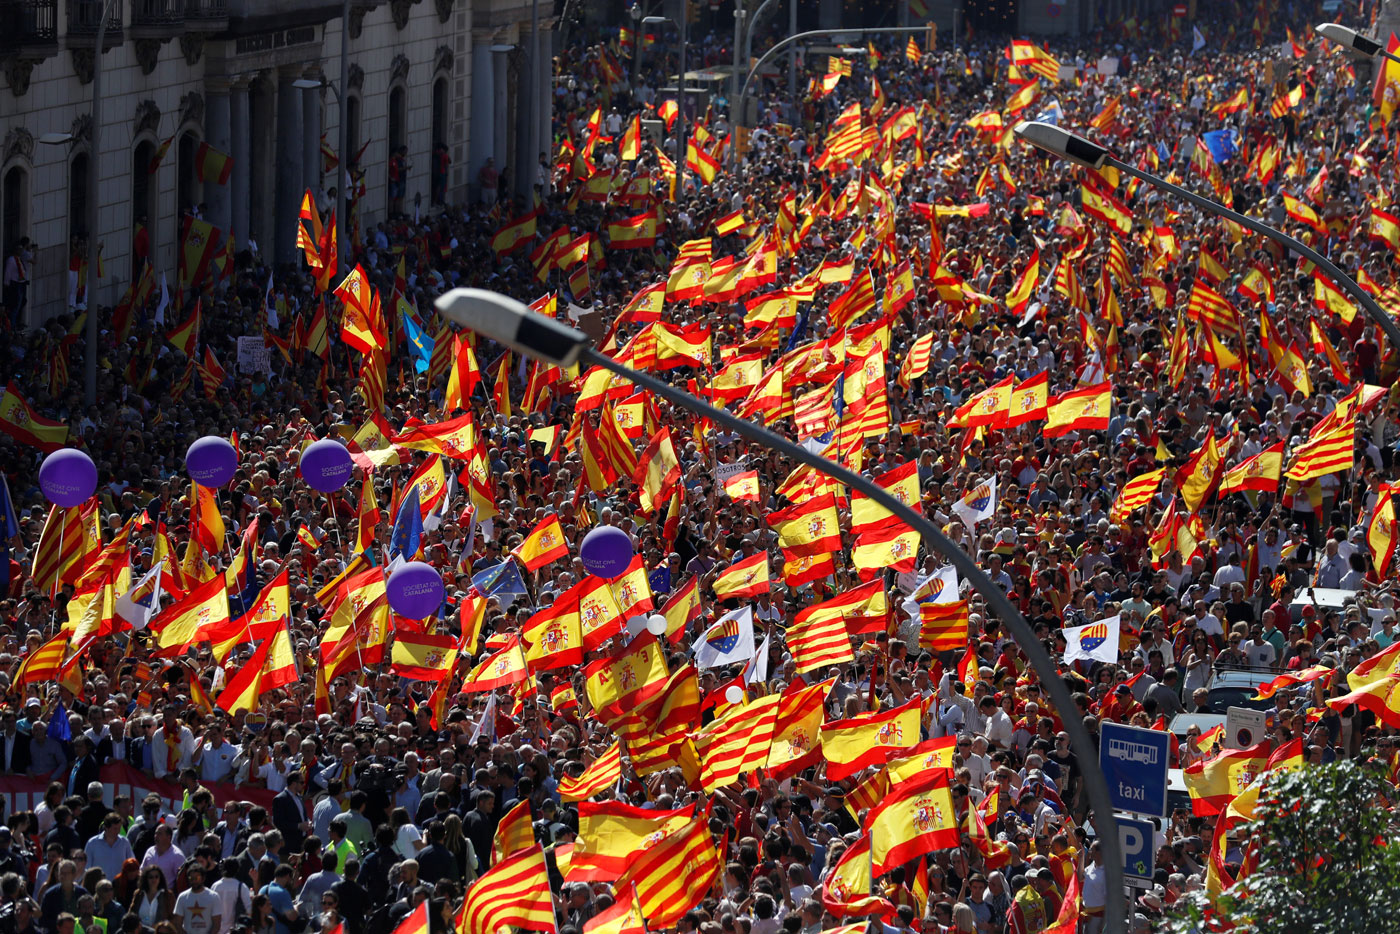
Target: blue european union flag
(58,725)
(408,527)
(499,580)
(1222,144)
(660,580)
(420,344)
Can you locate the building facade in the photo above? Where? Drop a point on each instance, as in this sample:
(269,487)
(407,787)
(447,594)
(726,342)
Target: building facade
(259,82)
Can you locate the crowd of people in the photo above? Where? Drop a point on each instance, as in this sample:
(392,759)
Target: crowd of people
(355,799)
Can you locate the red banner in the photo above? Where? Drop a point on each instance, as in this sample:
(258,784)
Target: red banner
(22,793)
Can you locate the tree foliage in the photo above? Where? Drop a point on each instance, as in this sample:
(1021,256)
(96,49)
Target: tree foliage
(1328,850)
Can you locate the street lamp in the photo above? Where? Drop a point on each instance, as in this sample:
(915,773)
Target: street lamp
(680,92)
(513,324)
(1081,151)
(343,168)
(1351,39)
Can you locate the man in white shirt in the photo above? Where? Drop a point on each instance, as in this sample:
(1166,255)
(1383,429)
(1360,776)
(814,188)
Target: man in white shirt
(170,757)
(1258,650)
(999,729)
(197,910)
(234,896)
(215,757)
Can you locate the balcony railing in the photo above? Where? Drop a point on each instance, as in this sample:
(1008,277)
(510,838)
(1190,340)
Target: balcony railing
(27,24)
(157,12)
(84,15)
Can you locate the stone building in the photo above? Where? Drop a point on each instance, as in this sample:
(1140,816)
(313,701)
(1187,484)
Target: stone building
(259,81)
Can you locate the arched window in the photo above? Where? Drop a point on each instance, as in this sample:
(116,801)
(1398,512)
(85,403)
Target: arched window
(78,195)
(396,119)
(14,202)
(440,111)
(352,126)
(143,203)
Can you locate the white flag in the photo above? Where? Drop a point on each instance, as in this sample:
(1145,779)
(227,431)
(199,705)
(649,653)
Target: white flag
(164,302)
(1096,642)
(729,641)
(142,601)
(978,504)
(1198,40)
(756,671)
(486,726)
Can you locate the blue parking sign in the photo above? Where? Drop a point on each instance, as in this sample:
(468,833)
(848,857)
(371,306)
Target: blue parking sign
(1134,761)
(1135,838)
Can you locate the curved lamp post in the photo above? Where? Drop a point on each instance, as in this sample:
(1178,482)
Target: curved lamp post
(1082,151)
(511,323)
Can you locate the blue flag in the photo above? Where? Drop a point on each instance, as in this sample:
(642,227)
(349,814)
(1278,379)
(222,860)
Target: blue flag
(408,528)
(1222,145)
(9,528)
(420,344)
(58,725)
(499,580)
(660,580)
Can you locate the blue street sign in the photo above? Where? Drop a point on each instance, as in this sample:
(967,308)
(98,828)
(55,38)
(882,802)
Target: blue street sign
(1135,838)
(1134,761)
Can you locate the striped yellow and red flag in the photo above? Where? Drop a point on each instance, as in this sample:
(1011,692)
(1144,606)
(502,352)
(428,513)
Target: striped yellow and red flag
(737,742)
(1136,493)
(515,832)
(43,663)
(943,626)
(624,917)
(916,361)
(1329,453)
(513,893)
(67,537)
(673,875)
(596,778)
(818,637)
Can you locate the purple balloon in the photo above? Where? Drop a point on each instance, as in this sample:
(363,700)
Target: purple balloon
(211,461)
(606,551)
(67,477)
(415,590)
(326,465)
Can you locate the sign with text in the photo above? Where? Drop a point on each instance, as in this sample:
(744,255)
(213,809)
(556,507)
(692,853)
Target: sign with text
(1134,761)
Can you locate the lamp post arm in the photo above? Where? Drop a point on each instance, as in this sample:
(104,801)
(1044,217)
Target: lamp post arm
(1344,281)
(1095,784)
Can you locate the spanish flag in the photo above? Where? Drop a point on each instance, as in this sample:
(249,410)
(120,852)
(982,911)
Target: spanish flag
(1084,409)
(1380,530)
(1029,400)
(893,545)
(211,165)
(1214,782)
(917,817)
(634,233)
(808,528)
(421,656)
(624,917)
(847,891)
(799,722)
(273,665)
(1260,472)
(514,892)
(626,678)
(515,234)
(611,833)
(869,738)
(505,667)
(1024,288)
(544,544)
(743,486)
(19,420)
(1381,697)
(729,223)
(901,482)
(682,609)
(186,622)
(746,578)
(658,470)
(554,635)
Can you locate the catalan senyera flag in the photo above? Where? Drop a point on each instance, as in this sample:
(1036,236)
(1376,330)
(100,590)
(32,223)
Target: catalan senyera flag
(421,656)
(544,545)
(736,742)
(19,420)
(863,610)
(743,486)
(746,578)
(514,892)
(514,833)
(943,626)
(674,873)
(601,775)
(624,917)
(43,663)
(1136,493)
(67,536)
(611,833)
(817,637)
(869,738)
(1329,453)
(1260,472)
(504,667)
(1214,782)
(917,817)
(1084,409)
(808,528)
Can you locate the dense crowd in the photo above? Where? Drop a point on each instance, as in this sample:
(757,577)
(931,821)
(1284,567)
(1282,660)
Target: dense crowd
(353,799)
